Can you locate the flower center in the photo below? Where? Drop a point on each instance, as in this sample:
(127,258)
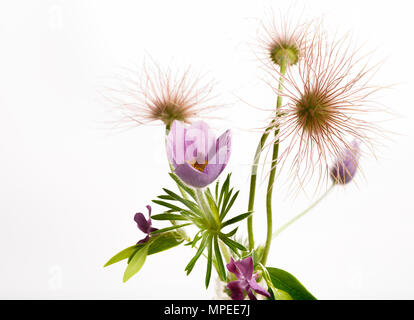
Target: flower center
(313,112)
(279,52)
(198,166)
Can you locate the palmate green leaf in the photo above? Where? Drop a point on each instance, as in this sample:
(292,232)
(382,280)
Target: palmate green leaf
(165,197)
(226,199)
(236,219)
(196,238)
(164,242)
(122,255)
(233,245)
(231,233)
(226,209)
(200,250)
(189,204)
(209,260)
(187,189)
(212,205)
(216,190)
(168,205)
(224,189)
(168,216)
(220,265)
(170,228)
(136,262)
(285,281)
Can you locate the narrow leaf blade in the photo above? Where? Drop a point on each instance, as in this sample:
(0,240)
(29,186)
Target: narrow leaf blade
(283,280)
(122,255)
(136,263)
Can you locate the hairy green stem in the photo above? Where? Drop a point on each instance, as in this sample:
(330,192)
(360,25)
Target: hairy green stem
(300,215)
(252,193)
(275,154)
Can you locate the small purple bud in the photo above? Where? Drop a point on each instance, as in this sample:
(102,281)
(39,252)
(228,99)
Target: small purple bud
(345,167)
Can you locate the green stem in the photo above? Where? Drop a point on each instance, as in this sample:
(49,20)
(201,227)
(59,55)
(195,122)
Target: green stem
(253,178)
(272,174)
(300,215)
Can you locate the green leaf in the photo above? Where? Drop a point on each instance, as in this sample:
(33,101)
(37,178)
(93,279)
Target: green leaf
(165,197)
(171,228)
(236,219)
(285,281)
(212,205)
(168,205)
(209,260)
(122,255)
(231,233)
(233,245)
(224,189)
(136,263)
(200,250)
(189,204)
(164,242)
(168,216)
(220,264)
(228,207)
(226,200)
(183,186)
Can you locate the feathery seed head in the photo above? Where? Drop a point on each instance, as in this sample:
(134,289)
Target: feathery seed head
(326,104)
(156,94)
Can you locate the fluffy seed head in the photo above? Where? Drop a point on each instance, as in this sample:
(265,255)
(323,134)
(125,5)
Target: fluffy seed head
(156,94)
(282,39)
(326,104)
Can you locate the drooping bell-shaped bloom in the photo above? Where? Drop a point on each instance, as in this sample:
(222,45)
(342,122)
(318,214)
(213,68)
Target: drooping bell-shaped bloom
(195,154)
(246,280)
(345,167)
(144,225)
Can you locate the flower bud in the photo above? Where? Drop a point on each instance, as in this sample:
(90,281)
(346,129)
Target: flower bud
(284,52)
(346,164)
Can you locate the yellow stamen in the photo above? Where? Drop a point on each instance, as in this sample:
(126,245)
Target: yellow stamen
(198,166)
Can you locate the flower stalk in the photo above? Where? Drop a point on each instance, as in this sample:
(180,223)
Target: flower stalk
(272,174)
(252,193)
(300,215)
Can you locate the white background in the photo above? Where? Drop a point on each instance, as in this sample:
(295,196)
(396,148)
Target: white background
(70,185)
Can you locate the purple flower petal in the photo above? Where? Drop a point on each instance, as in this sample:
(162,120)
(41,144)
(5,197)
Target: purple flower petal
(246,280)
(197,157)
(258,289)
(236,289)
(143,240)
(251,295)
(231,266)
(246,267)
(142,223)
